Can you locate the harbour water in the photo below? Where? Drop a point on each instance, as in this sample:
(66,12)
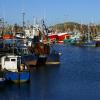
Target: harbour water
(76,78)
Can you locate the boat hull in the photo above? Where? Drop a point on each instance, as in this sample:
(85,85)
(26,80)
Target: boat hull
(17,77)
(30,60)
(41,60)
(89,44)
(53,38)
(61,37)
(53,58)
(97,43)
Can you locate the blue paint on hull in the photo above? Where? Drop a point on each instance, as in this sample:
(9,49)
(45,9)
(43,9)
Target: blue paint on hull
(17,77)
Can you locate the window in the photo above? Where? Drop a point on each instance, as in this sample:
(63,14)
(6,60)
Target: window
(7,59)
(13,59)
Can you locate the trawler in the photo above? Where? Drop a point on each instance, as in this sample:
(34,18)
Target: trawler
(14,70)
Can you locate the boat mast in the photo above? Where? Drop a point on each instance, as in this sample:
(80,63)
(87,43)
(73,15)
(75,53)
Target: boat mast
(89,32)
(13,37)
(23,15)
(2,25)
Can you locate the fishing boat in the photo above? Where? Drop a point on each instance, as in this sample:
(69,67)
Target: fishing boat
(26,56)
(61,37)
(52,37)
(14,70)
(19,47)
(41,51)
(89,39)
(40,45)
(97,40)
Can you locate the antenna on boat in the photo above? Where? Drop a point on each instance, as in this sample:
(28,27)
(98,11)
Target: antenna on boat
(34,21)
(23,15)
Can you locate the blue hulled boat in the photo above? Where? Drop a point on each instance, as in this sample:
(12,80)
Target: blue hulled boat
(14,70)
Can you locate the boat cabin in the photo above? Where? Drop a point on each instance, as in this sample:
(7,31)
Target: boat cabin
(10,62)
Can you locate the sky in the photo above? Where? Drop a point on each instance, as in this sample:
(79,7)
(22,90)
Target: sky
(53,11)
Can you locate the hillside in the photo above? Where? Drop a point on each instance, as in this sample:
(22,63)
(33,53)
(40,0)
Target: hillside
(70,26)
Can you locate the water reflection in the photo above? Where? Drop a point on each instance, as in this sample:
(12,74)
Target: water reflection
(15,92)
